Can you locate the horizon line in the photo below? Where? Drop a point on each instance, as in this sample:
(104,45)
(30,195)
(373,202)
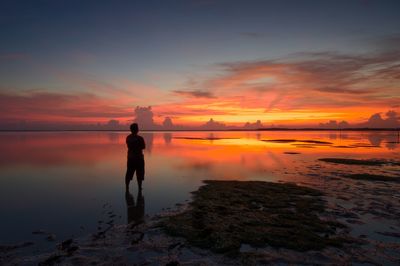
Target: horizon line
(201,130)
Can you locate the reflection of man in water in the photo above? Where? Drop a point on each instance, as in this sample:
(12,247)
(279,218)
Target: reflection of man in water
(135,212)
(135,162)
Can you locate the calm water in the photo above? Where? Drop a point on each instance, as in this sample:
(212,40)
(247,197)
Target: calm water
(60,181)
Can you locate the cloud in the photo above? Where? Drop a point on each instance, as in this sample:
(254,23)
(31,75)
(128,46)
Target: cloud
(376,120)
(333,124)
(392,120)
(213,125)
(167,123)
(304,88)
(195,93)
(113,124)
(313,80)
(90,82)
(255,125)
(279,97)
(58,107)
(125,90)
(144,117)
(344,91)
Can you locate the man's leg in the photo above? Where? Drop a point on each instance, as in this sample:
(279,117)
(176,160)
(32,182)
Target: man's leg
(140,175)
(130,171)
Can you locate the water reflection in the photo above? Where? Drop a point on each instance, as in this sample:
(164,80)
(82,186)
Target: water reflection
(391,141)
(135,216)
(167,138)
(149,139)
(60,148)
(135,212)
(114,137)
(72,174)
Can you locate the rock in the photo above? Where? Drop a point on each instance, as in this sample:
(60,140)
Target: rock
(72,249)
(65,244)
(53,259)
(137,237)
(51,237)
(172,263)
(226,214)
(354,221)
(392,234)
(7,248)
(172,246)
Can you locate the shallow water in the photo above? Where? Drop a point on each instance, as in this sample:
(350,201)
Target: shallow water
(65,182)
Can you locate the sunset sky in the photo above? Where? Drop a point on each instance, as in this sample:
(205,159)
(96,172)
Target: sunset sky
(286,63)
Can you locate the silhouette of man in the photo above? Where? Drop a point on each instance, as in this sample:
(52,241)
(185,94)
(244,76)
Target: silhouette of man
(135,162)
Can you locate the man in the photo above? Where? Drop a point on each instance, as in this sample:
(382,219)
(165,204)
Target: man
(135,161)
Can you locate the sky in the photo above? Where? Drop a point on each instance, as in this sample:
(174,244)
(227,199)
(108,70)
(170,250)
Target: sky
(196,62)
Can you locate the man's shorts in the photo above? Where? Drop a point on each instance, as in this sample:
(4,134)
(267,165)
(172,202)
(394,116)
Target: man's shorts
(135,165)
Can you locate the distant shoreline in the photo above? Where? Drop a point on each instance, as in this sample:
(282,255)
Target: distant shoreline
(201,130)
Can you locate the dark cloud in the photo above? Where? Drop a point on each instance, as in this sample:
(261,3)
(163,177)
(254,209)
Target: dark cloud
(255,125)
(392,120)
(177,110)
(195,93)
(213,125)
(144,117)
(168,124)
(344,91)
(333,124)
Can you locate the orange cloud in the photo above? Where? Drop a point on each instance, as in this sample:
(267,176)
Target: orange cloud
(305,89)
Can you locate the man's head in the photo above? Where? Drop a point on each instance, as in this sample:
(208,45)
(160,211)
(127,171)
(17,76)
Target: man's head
(134,128)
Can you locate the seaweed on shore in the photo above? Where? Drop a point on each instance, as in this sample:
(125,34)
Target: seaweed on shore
(319,142)
(279,140)
(371,177)
(226,214)
(209,138)
(371,162)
